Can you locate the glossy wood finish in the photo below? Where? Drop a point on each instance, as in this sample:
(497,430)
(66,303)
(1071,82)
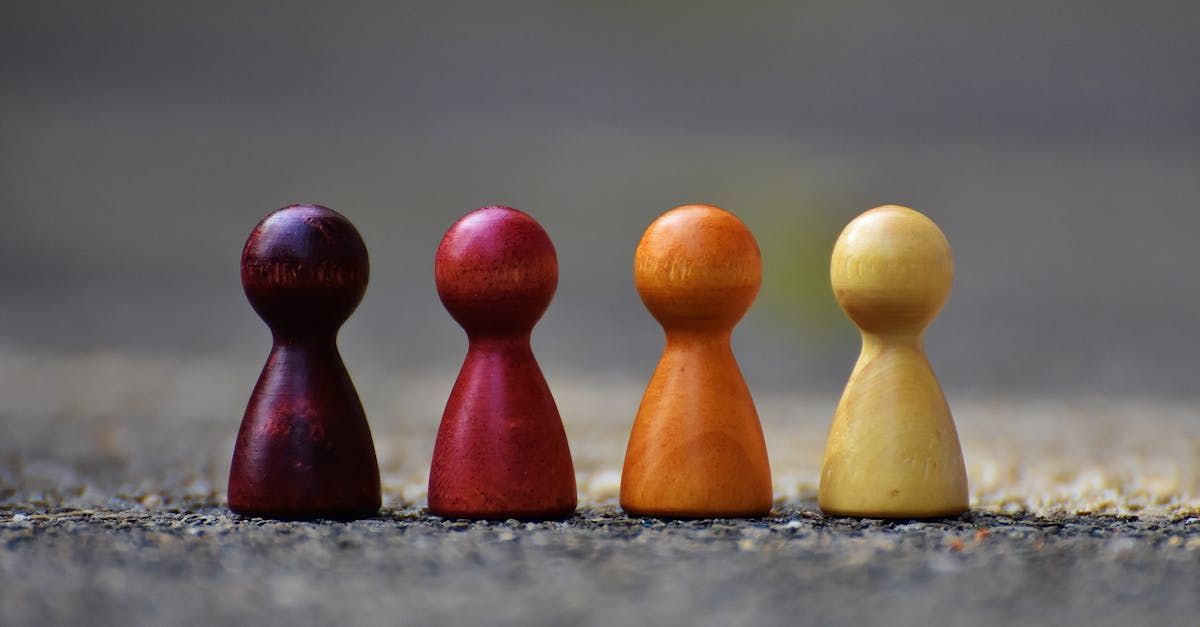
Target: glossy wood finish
(304,449)
(893,451)
(501,449)
(697,447)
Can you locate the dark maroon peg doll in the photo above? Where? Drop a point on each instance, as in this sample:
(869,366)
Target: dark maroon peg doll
(501,450)
(304,449)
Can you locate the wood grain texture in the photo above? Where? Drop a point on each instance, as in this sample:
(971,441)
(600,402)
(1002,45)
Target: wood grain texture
(893,449)
(304,449)
(501,449)
(697,448)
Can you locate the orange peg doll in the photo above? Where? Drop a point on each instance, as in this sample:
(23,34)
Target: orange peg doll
(697,448)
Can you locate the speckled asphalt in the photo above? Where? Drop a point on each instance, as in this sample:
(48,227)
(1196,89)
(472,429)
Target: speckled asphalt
(1086,511)
(203,566)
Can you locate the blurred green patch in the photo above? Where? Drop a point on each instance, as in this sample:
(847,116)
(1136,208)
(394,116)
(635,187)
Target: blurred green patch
(796,237)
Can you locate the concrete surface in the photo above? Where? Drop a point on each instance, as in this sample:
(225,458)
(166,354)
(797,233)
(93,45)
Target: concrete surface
(1086,510)
(205,567)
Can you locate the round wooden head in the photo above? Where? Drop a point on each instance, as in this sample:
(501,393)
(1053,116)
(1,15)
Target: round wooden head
(697,266)
(891,270)
(496,271)
(304,269)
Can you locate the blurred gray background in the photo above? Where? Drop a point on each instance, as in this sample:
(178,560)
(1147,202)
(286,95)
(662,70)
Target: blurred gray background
(1057,146)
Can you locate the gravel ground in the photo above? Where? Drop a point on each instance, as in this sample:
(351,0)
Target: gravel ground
(1086,510)
(205,566)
